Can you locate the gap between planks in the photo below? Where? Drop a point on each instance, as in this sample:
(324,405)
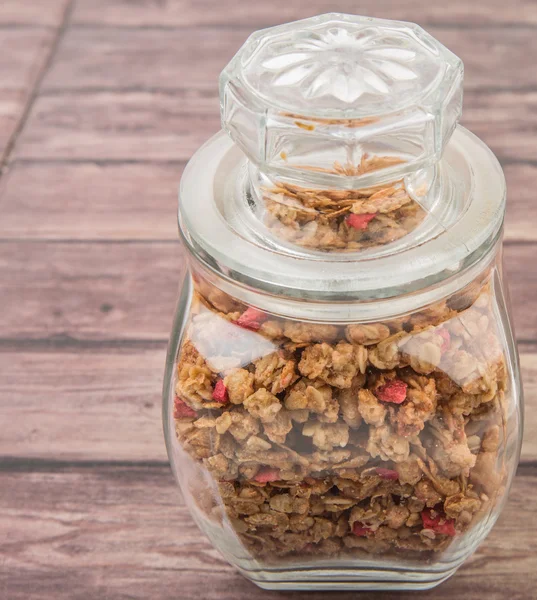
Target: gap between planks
(6,26)
(36,465)
(504,160)
(66,342)
(456,25)
(63,343)
(47,240)
(211,93)
(22,464)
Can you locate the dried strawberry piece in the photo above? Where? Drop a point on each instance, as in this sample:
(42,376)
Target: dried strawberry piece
(220,392)
(389,474)
(359,221)
(361,530)
(181,410)
(267,474)
(251,318)
(394,391)
(444,334)
(436,520)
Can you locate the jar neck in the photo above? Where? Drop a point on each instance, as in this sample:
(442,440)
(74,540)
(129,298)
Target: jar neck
(347,177)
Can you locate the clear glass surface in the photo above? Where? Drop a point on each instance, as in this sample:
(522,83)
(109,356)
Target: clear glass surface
(342,401)
(331,455)
(326,92)
(344,119)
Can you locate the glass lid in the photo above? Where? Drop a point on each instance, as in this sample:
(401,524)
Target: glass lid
(344,96)
(341,177)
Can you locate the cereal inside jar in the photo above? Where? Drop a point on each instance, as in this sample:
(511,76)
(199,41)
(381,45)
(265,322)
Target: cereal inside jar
(342,395)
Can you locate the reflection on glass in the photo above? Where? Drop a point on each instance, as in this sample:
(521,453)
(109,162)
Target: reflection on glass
(319,440)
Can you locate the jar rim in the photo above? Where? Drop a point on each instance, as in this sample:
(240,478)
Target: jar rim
(211,176)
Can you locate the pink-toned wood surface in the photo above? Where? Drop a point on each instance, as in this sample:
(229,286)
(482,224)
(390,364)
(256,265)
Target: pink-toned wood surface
(101,104)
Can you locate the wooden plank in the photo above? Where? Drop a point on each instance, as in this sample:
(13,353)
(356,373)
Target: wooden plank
(90,404)
(104,404)
(172,125)
(25,50)
(122,532)
(115,532)
(521,218)
(120,58)
(48,13)
(115,58)
(12,104)
(528,364)
(143,13)
(110,126)
(25,54)
(522,282)
(89,291)
(506,121)
(90,201)
(108,291)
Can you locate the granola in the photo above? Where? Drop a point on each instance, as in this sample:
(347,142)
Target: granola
(342,220)
(331,440)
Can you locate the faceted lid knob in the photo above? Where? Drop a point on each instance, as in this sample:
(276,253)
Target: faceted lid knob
(323,93)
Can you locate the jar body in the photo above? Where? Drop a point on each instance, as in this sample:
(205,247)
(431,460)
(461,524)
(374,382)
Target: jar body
(371,454)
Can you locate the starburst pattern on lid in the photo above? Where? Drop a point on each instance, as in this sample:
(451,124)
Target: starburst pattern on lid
(314,67)
(341,63)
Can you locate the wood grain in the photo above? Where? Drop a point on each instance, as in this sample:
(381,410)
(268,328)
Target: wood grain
(90,201)
(89,273)
(105,403)
(505,121)
(522,281)
(528,364)
(122,532)
(47,13)
(89,291)
(12,103)
(116,58)
(184,13)
(153,126)
(521,216)
(25,54)
(163,126)
(83,404)
(110,291)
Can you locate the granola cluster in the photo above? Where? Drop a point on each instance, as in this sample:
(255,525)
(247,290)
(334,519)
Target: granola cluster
(326,439)
(341,220)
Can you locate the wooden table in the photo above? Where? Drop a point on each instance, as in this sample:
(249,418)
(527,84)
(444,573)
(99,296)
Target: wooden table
(101,104)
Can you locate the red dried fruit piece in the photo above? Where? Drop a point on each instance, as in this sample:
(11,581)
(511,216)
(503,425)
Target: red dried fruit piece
(387,473)
(360,221)
(181,410)
(437,521)
(361,530)
(394,391)
(267,474)
(220,392)
(251,318)
(444,334)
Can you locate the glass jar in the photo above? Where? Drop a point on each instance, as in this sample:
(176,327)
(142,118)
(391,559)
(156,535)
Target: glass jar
(342,400)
